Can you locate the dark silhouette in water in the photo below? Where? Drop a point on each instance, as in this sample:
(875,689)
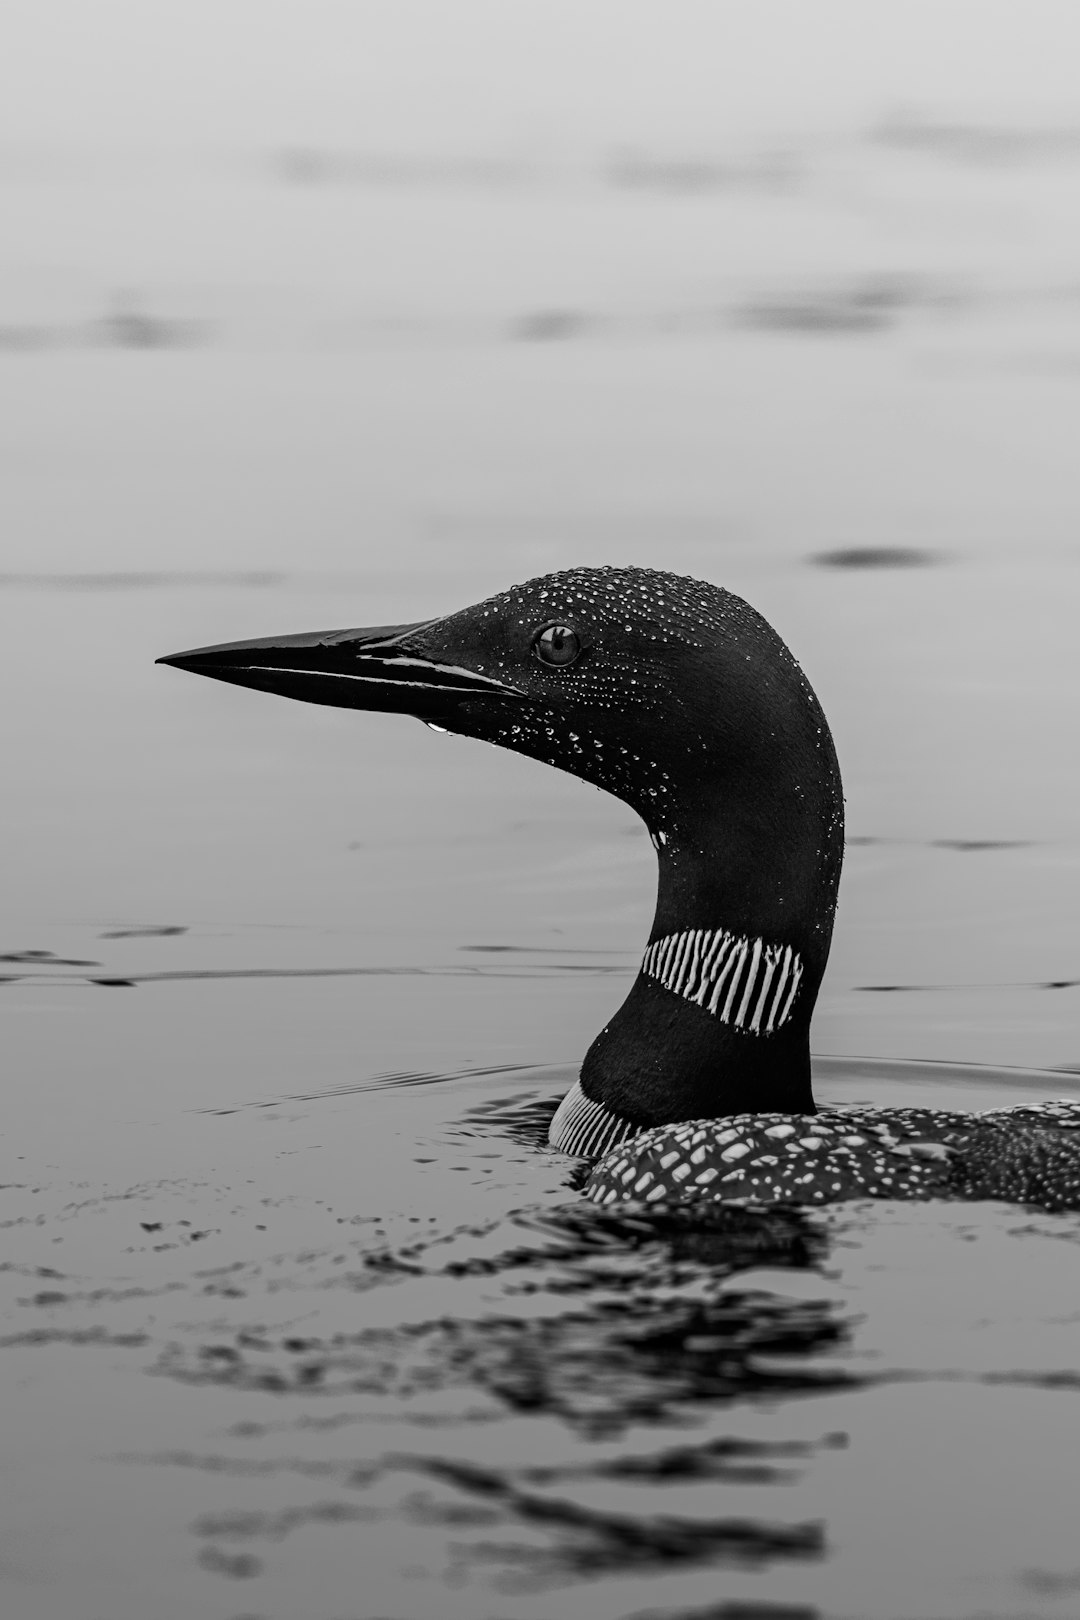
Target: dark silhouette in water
(677,697)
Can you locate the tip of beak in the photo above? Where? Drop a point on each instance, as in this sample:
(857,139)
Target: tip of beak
(196,658)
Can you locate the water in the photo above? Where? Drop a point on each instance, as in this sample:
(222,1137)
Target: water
(300,1316)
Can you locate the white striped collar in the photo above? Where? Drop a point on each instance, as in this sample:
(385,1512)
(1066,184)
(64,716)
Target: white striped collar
(744,982)
(586,1128)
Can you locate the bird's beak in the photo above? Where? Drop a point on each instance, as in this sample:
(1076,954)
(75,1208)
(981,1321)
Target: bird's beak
(384,668)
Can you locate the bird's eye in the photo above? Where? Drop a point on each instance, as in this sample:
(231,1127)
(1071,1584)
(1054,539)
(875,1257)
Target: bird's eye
(557,644)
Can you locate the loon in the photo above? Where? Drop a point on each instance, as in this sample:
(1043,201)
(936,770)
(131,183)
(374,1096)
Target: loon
(678,698)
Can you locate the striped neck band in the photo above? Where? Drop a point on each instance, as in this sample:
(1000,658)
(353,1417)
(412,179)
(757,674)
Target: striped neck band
(741,981)
(586,1128)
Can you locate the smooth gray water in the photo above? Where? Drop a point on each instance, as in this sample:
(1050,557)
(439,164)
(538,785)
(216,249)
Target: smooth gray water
(300,1315)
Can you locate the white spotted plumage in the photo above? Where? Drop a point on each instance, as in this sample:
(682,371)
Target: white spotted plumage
(907,1152)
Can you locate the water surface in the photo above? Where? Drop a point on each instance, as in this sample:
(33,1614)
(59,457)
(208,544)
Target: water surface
(300,1316)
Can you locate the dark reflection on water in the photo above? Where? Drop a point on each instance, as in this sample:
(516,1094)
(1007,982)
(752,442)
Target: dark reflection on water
(649,1331)
(732,1611)
(623,1355)
(875,557)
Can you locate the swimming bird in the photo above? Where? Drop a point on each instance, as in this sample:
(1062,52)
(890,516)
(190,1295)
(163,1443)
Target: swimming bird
(678,698)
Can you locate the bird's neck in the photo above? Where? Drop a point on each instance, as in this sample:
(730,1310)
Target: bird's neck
(718,1020)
